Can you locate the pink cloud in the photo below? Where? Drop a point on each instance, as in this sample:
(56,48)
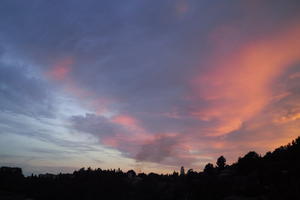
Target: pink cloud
(61,69)
(126,120)
(236,90)
(239,86)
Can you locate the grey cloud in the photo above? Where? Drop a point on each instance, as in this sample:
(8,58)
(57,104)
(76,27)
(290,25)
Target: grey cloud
(20,93)
(30,127)
(158,150)
(96,125)
(165,150)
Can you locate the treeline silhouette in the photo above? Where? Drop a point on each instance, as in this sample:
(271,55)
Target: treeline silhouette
(275,175)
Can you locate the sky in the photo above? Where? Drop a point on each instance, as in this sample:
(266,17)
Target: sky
(149,85)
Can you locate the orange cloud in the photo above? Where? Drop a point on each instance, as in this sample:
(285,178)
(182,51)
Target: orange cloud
(239,86)
(295,115)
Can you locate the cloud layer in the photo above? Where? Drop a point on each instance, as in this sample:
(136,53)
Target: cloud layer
(156,82)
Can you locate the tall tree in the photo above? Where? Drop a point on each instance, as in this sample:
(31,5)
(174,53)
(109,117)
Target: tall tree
(221,162)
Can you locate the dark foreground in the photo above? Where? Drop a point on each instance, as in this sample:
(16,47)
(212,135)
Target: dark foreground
(273,176)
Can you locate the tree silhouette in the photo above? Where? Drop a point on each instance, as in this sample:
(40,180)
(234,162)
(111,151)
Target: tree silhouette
(208,168)
(221,162)
(252,155)
(249,162)
(182,171)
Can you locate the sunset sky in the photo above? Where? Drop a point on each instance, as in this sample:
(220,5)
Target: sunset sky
(148,85)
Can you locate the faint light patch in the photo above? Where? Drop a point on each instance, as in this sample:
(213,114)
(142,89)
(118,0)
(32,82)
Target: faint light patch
(288,117)
(280,96)
(61,69)
(295,75)
(126,121)
(69,106)
(182,7)
(3,86)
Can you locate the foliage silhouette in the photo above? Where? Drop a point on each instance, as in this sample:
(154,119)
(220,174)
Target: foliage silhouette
(221,162)
(209,168)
